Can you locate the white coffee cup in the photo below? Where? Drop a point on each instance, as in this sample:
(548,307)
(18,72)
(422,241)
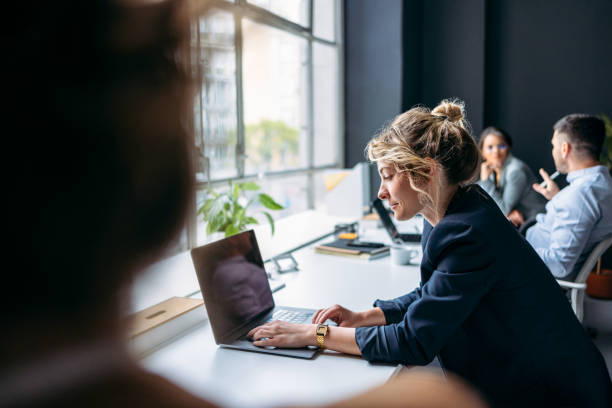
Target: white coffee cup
(402,255)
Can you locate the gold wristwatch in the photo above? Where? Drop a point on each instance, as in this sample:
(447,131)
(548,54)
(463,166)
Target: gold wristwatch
(321,332)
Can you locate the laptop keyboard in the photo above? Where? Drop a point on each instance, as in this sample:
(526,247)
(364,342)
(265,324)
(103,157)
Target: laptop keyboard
(292,316)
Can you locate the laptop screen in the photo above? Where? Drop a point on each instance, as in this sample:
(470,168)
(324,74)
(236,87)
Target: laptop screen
(234,283)
(386,219)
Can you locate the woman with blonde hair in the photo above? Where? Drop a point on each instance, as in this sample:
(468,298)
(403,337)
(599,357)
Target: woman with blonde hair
(487,306)
(107,147)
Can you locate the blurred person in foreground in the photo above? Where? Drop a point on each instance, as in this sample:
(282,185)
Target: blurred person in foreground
(579,216)
(100,99)
(506,178)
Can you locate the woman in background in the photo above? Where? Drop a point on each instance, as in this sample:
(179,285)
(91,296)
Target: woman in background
(100,96)
(507,179)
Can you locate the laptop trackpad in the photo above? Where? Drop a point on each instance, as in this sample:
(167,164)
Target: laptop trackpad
(304,352)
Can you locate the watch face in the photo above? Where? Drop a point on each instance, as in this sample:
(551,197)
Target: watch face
(321,330)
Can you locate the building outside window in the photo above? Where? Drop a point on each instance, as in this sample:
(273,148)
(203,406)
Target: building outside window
(269,108)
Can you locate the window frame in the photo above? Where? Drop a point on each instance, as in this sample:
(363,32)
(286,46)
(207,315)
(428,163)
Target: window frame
(241,9)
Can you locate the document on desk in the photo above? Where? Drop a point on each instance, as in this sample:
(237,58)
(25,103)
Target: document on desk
(345,247)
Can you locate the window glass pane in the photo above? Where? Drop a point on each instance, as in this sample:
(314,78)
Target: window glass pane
(291,192)
(324,15)
(293,10)
(319,189)
(217,101)
(326,116)
(275,99)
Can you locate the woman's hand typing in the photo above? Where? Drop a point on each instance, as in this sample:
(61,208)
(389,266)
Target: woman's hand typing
(284,334)
(344,317)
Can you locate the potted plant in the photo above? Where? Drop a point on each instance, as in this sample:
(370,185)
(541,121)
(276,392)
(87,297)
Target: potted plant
(599,281)
(606,152)
(226,212)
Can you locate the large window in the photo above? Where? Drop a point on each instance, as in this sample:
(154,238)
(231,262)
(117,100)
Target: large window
(269,108)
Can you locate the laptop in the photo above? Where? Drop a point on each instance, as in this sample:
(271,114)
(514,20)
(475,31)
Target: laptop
(394,234)
(237,294)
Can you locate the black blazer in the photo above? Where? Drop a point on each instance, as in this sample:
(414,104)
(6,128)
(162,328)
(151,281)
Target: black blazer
(492,312)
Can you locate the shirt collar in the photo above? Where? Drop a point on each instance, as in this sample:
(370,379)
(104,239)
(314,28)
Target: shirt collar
(589,171)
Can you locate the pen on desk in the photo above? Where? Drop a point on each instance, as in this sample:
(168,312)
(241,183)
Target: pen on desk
(552,177)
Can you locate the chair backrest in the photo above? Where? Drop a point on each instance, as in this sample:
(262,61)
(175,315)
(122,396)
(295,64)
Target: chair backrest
(577,287)
(590,262)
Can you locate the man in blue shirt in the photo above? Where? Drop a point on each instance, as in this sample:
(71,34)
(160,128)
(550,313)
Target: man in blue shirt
(579,216)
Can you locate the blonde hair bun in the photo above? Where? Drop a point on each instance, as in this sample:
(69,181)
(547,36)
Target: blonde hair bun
(453,109)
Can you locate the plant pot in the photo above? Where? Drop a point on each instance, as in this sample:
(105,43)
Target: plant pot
(599,285)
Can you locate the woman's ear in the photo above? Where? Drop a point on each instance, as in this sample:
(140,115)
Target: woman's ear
(432,168)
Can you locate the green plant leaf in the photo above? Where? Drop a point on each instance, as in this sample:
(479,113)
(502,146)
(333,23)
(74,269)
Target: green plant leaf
(215,224)
(223,212)
(205,208)
(606,153)
(250,220)
(270,220)
(236,191)
(249,185)
(238,214)
(216,208)
(231,229)
(269,202)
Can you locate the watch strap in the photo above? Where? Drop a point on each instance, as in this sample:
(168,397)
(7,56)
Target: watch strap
(321,332)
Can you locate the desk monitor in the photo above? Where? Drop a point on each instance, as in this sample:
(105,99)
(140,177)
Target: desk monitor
(348,191)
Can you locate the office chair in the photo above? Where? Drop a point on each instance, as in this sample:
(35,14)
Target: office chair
(578,286)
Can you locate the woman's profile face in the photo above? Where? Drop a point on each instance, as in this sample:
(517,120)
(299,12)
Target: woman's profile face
(494,149)
(395,187)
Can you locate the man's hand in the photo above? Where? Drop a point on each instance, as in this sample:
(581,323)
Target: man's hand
(516,218)
(550,189)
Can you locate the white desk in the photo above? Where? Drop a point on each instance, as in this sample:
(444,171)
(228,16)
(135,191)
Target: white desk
(240,379)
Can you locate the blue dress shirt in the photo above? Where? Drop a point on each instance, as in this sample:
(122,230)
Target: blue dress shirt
(576,219)
(491,311)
